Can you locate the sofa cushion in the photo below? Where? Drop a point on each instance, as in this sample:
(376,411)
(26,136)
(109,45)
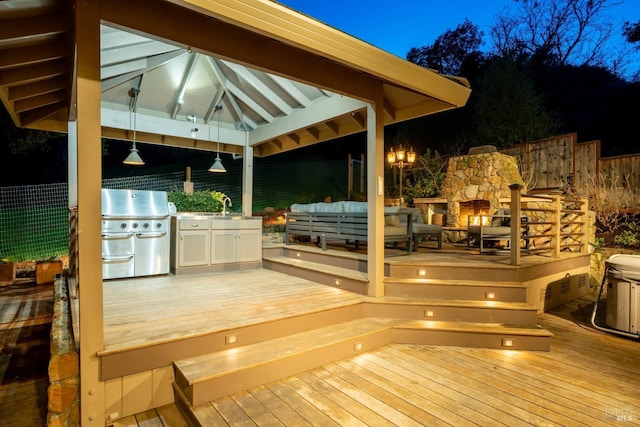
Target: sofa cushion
(392,220)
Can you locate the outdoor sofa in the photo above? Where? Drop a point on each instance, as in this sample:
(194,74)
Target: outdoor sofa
(347,220)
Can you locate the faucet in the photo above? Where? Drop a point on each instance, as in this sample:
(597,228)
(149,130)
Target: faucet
(224,205)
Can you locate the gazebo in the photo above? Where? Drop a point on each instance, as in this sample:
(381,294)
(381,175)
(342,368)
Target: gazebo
(250,77)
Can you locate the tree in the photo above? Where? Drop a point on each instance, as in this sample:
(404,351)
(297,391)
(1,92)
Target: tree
(631,32)
(508,110)
(451,50)
(564,32)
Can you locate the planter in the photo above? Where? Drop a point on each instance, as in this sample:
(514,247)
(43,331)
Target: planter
(7,273)
(46,271)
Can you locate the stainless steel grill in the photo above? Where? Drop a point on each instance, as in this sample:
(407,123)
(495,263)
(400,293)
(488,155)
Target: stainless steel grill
(135,233)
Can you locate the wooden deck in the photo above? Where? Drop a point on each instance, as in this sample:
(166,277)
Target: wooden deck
(588,378)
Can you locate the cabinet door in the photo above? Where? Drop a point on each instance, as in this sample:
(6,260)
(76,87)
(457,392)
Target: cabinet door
(249,245)
(223,246)
(194,248)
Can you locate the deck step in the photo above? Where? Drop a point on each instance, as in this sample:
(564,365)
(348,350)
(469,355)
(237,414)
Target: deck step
(211,376)
(435,309)
(206,378)
(456,289)
(340,277)
(474,334)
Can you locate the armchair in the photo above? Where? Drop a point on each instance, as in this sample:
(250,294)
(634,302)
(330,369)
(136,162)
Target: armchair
(497,228)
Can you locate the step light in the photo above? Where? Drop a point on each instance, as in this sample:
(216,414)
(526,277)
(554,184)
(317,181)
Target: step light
(422,272)
(429,313)
(357,346)
(230,339)
(508,342)
(337,282)
(490,295)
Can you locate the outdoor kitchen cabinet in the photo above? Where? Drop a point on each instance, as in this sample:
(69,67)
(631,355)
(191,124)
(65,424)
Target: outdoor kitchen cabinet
(200,244)
(192,242)
(236,241)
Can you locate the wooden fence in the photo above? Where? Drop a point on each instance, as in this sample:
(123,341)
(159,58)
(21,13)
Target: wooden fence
(560,161)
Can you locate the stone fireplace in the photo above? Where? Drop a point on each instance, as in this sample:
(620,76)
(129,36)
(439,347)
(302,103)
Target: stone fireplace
(475,183)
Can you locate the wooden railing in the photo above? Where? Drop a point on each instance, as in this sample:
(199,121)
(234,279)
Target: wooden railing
(555,223)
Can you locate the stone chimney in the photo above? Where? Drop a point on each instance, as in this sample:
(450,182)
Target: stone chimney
(475,183)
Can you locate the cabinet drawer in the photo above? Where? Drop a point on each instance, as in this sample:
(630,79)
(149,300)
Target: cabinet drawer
(193,224)
(236,224)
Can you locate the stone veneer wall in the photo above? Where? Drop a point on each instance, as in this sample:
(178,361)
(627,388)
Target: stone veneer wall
(484,176)
(64,369)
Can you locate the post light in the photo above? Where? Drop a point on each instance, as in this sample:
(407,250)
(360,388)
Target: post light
(401,159)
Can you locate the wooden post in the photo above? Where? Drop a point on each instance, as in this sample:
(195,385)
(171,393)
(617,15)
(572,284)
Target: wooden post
(516,223)
(349,177)
(557,208)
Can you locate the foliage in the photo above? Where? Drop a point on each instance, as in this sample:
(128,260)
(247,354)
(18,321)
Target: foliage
(627,238)
(20,141)
(598,243)
(509,110)
(450,50)
(424,177)
(632,32)
(52,258)
(198,201)
(613,202)
(5,261)
(577,32)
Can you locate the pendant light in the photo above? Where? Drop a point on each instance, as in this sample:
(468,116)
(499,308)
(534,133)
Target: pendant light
(133,158)
(217,164)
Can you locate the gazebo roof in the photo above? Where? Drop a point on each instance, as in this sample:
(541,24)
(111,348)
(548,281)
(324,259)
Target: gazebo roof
(283,79)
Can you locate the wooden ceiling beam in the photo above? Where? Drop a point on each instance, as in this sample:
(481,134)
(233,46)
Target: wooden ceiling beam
(30,27)
(192,29)
(32,116)
(35,54)
(32,73)
(37,88)
(39,101)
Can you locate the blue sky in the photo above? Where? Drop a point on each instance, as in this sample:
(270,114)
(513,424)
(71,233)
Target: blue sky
(398,25)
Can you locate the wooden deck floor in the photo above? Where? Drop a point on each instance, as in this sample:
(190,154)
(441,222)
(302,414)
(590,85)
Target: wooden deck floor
(588,378)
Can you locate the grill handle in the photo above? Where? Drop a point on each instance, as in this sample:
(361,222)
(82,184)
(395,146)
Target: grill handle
(117,258)
(151,235)
(113,236)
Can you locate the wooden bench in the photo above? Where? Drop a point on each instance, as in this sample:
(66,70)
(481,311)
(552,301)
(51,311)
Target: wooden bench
(346,226)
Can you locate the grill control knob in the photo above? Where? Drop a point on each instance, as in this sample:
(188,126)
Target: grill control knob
(123,225)
(135,225)
(145,225)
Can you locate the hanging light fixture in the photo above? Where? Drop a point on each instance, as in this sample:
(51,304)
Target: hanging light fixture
(133,158)
(217,164)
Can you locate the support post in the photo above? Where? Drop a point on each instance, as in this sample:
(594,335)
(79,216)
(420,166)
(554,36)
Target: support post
(375,194)
(516,223)
(89,167)
(557,211)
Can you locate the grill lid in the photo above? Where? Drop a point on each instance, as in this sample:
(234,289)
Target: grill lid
(134,203)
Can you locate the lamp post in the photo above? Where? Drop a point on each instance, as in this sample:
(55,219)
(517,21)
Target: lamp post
(400,159)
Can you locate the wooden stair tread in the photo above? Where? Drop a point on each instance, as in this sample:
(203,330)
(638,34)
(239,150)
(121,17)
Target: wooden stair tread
(489,304)
(213,365)
(316,266)
(478,327)
(420,281)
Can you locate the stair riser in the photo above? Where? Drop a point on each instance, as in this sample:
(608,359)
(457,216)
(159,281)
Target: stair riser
(277,329)
(456,292)
(446,313)
(253,376)
(345,283)
(342,262)
(457,272)
(470,339)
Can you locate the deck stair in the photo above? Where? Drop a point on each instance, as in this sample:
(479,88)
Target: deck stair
(457,312)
